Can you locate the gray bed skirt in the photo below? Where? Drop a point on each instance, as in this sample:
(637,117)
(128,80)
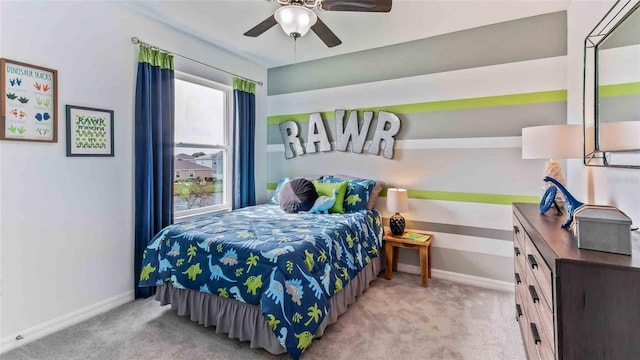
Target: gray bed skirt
(244,321)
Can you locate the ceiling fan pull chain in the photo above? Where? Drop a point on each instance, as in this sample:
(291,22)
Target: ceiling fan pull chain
(295,50)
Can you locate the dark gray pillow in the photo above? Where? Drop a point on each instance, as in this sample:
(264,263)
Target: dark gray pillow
(297,195)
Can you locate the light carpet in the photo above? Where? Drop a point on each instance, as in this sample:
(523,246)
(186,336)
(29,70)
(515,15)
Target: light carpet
(395,319)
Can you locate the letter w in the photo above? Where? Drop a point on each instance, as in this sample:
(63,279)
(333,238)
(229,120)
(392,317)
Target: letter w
(351,131)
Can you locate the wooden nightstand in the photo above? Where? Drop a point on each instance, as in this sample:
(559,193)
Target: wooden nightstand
(400,241)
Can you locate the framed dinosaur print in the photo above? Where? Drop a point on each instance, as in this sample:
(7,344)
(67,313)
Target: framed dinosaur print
(89,131)
(29,104)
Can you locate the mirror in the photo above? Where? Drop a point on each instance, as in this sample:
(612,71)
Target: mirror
(612,89)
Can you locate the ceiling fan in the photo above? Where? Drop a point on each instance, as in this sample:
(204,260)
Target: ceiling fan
(296,17)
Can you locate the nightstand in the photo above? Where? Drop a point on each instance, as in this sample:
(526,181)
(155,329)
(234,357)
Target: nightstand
(391,242)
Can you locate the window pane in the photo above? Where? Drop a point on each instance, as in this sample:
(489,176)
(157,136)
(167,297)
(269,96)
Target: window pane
(199,114)
(198,180)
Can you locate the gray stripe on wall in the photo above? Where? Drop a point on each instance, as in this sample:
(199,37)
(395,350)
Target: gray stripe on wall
(464,262)
(478,122)
(490,171)
(619,108)
(529,38)
(457,229)
(625,35)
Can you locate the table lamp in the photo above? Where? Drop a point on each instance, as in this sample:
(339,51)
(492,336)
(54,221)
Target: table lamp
(397,202)
(553,142)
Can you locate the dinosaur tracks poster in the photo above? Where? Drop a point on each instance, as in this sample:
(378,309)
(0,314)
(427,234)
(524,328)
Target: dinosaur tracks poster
(29,102)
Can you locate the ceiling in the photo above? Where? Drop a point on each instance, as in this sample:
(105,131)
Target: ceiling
(222,23)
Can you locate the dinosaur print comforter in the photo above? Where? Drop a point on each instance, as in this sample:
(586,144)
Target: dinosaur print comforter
(290,264)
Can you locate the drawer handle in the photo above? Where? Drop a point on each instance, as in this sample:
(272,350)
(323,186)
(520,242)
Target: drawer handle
(518,278)
(518,311)
(534,294)
(516,250)
(516,230)
(535,333)
(532,261)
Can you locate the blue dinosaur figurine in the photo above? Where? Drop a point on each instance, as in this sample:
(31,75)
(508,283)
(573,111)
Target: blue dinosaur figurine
(572,203)
(324,203)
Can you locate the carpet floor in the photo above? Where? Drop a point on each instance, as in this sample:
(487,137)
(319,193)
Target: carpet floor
(395,319)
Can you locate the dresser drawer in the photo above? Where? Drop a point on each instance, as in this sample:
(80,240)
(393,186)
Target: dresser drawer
(529,343)
(539,269)
(519,256)
(533,308)
(518,232)
(519,275)
(539,339)
(543,314)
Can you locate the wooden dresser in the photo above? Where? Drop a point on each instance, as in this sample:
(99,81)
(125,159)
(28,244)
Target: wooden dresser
(572,303)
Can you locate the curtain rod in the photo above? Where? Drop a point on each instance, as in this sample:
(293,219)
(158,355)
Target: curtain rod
(136,40)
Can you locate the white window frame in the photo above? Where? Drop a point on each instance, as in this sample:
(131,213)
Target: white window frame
(228,147)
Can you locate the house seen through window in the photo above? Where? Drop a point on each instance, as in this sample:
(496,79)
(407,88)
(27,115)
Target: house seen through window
(202,152)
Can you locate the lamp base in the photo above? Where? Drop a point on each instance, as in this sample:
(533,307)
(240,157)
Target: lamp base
(554,169)
(396,224)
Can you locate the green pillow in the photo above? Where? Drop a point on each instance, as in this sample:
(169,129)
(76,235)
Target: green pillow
(326,189)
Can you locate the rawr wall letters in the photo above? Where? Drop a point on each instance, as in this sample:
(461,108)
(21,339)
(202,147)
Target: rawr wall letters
(387,127)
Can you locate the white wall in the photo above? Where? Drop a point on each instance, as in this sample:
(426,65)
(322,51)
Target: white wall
(67,226)
(1,282)
(591,184)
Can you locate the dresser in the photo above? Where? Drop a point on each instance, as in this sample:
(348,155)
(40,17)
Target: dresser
(572,303)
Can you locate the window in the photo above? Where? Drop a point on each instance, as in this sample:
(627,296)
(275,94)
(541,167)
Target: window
(202,149)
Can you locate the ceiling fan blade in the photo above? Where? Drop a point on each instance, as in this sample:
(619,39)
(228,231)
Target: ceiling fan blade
(356,5)
(257,30)
(325,34)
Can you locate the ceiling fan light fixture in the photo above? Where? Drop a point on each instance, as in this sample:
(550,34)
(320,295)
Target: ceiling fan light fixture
(295,20)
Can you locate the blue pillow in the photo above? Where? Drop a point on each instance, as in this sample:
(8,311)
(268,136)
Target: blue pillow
(274,198)
(358,192)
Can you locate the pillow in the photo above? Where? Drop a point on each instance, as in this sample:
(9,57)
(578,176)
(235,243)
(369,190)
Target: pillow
(297,195)
(375,193)
(326,189)
(274,198)
(357,194)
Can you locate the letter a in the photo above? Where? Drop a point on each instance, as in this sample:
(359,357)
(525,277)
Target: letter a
(317,133)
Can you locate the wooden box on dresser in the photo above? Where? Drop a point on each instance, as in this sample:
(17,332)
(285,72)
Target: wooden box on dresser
(573,303)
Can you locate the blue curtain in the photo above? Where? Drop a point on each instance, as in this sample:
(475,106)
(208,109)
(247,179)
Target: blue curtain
(244,133)
(153,153)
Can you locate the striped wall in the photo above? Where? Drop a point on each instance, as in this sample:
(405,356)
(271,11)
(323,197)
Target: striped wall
(458,151)
(619,79)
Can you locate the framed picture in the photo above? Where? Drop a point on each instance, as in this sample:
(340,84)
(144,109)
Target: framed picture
(89,131)
(29,104)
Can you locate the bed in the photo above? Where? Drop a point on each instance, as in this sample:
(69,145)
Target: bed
(265,276)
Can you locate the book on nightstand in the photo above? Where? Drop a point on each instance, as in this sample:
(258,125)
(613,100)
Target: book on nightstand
(415,236)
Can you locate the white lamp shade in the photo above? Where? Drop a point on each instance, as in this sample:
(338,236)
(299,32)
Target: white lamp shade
(552,142)
(619,136)
(295,19)
(397,200)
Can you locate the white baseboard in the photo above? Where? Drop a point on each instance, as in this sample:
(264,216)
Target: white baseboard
(461,278)
(61,322)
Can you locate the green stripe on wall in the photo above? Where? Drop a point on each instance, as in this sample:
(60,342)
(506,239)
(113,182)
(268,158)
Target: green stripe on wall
(632,88)
(459,104)
(499,199)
